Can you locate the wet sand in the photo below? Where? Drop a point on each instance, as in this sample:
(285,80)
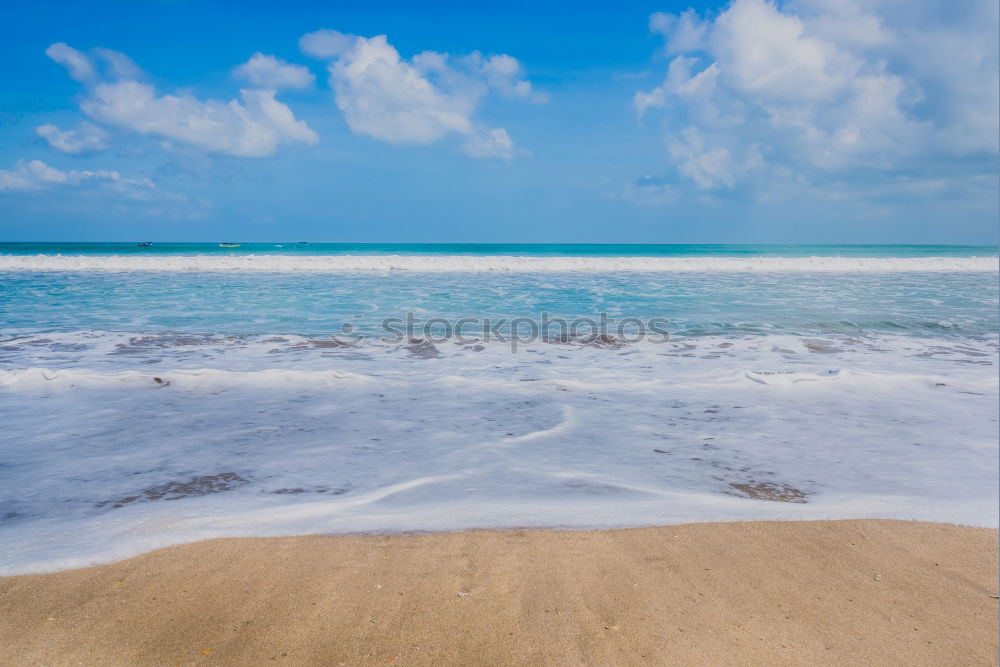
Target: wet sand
(817,592)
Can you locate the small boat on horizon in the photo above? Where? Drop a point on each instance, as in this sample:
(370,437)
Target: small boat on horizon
(144,244)
(301,244)
(229,245)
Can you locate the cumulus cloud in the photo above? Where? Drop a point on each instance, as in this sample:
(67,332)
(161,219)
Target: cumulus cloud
(503,74)
(822,87)
(711,162)
(420,100)
(326,43)
(253,126)
(36,175)
(273,73)
(385,97)
(86,138)
(683,32)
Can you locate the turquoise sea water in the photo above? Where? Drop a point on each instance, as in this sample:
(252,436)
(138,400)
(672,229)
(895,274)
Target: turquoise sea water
(531,249)
(857,380)
(946,306)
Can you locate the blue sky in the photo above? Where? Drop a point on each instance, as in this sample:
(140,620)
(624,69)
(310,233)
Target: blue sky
(796,122)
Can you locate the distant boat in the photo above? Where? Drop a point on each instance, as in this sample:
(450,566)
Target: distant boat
(229,245)
(301,244)
(144,244)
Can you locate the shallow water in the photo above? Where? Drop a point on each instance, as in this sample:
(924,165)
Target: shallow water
(145,408)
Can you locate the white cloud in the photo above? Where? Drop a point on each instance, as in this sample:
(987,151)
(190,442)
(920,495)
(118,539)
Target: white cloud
(504,74)
(708,166)
(87,138)
(254,126)
(81,192)
(822,87)
(764,52)
(386,97)
(36,175)
(116,64)
(494,143)
(326,43)
(421,100)
(78,65)
(273,73)
(695,89)
(684,32)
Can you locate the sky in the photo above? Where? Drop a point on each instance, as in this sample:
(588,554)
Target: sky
(801,121)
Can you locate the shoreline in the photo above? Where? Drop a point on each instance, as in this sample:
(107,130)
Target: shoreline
(783,592)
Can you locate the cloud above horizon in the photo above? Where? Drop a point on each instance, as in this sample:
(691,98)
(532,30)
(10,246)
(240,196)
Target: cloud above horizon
(819,120)
(29,175)
(86,138)
(273,73)
(804,92)
(254,126)
(421,100)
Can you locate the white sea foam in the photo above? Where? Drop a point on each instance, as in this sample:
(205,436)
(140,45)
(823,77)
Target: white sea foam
(495,264)
(554,436)
(28,379)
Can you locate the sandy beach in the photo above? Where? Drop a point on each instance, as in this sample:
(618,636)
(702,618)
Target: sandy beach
(821,592)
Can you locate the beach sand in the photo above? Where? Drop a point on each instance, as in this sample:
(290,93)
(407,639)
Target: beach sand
(818,592)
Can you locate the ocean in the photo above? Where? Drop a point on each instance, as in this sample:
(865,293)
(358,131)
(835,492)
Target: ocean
(165,394)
